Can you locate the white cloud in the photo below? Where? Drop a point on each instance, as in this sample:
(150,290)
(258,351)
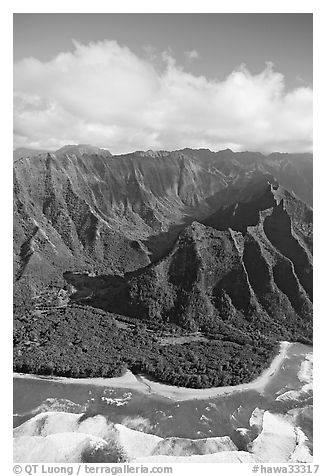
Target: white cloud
(192,55)
(104,94)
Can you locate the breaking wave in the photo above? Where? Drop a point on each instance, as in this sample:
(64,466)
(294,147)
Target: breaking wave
(305,375)
(76,437)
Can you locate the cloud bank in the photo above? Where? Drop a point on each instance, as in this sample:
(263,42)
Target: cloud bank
(104,94)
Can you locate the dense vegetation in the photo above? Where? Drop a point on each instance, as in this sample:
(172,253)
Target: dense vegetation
(82,342)
(188,266)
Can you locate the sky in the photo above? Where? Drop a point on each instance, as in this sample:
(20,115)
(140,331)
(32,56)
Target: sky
(164,81)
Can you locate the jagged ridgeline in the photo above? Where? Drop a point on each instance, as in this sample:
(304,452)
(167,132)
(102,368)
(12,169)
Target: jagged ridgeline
(188,265)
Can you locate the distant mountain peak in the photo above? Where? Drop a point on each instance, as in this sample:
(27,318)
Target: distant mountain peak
(81,149)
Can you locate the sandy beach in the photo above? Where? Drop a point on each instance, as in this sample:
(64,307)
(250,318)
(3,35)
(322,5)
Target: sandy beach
(145,385)
(128,380)
(183,393)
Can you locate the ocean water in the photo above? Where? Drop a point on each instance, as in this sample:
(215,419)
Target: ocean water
(288,393)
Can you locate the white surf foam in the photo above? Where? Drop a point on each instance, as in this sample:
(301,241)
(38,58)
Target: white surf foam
(63,436)
(223,457)
(305,375)
(280,441)
(56,448)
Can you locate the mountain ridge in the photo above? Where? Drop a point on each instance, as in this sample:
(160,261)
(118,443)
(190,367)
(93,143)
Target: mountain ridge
(180,243)
(182,284)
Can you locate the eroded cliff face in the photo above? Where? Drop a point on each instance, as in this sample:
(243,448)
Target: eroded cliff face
(96,212)
(249,271)
(82,209)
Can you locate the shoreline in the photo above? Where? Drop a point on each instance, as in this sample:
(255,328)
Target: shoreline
(185,393)
(145,385)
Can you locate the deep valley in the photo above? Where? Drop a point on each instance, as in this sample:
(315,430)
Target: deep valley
(189,266)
